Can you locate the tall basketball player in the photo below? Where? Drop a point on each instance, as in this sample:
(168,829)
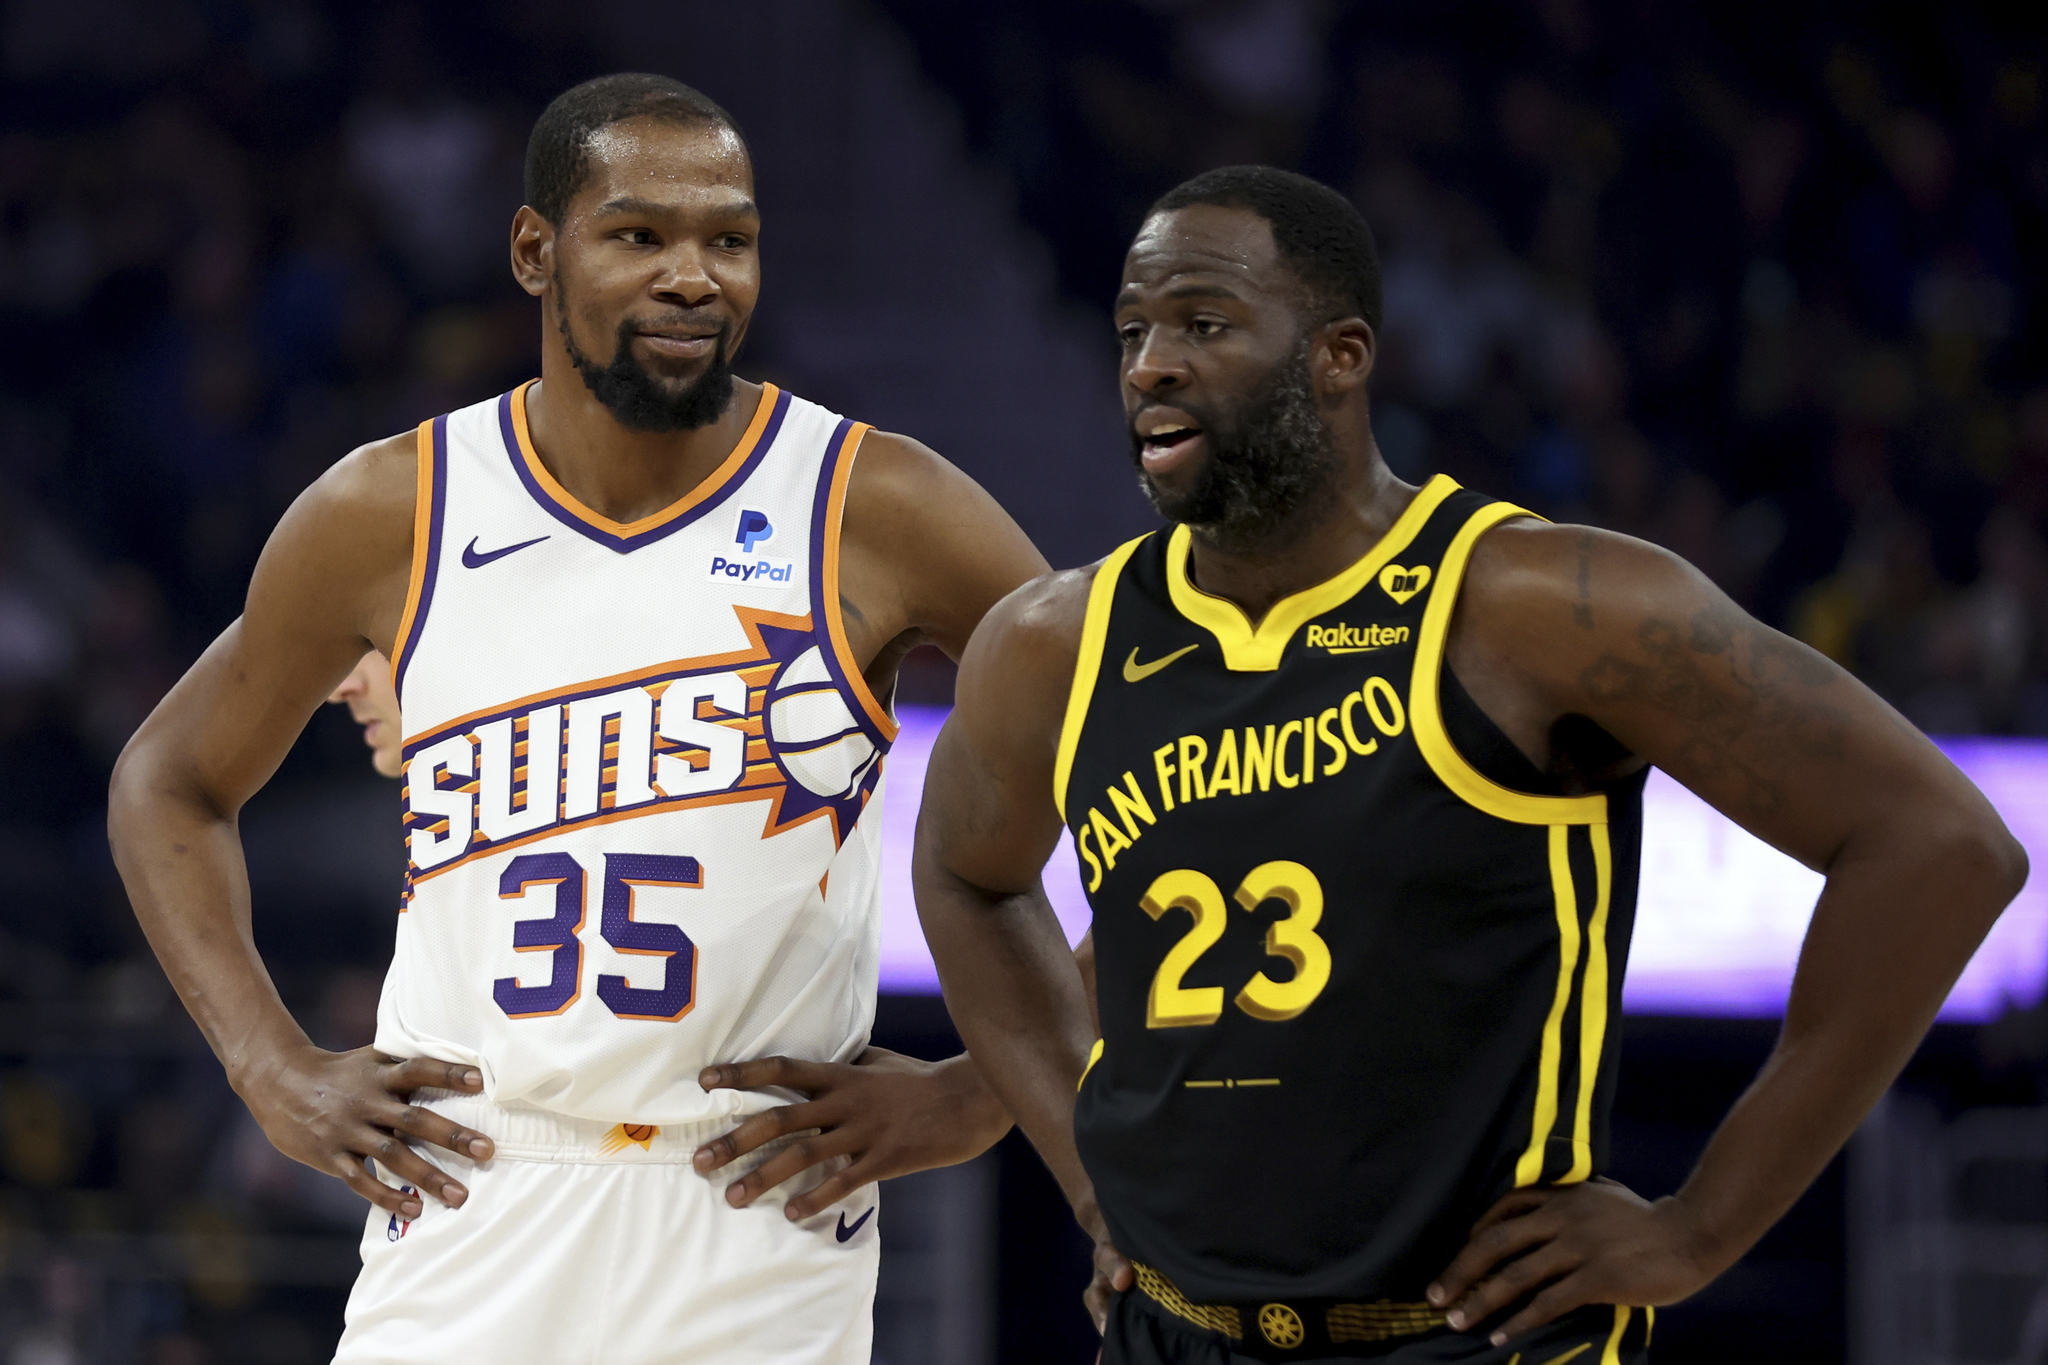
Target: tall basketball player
(644,618)
(1354,769)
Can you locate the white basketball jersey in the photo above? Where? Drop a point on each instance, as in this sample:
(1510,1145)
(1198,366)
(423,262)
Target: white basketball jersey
(642,774)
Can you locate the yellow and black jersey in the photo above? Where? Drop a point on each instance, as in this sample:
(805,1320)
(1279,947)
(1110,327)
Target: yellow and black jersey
(1358,961)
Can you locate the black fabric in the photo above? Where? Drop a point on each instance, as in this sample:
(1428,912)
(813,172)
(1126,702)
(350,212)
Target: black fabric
(1140,1332)
(1381,1120)
(1485,747)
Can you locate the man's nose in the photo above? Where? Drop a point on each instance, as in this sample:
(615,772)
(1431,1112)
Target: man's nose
(1155,367)
(684,279)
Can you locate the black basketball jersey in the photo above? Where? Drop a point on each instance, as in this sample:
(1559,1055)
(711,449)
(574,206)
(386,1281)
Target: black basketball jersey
(1353,987)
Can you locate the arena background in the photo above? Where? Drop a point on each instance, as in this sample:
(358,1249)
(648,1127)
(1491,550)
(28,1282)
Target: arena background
(1760,282)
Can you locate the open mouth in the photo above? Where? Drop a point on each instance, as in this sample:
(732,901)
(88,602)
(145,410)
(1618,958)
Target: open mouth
(1169,437)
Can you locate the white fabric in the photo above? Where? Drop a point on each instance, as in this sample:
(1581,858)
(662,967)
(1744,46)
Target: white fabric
(537,648)
(592,1250)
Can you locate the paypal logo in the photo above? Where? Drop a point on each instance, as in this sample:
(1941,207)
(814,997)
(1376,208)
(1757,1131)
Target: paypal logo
(760,570)
(754,529)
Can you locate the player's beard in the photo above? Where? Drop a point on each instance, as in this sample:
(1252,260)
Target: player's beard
(639,400)
(1266,461)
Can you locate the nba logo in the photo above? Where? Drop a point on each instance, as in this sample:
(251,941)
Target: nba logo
(398,1227)
(754,528)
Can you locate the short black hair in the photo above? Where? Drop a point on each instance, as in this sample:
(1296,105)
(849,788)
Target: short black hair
(558,152)
(1320,234)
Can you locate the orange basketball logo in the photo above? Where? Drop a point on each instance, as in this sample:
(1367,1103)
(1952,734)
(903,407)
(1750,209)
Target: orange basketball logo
(626,1133)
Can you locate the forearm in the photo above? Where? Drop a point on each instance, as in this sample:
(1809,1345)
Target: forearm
(1018,1001)
(1893,929)
(182,863)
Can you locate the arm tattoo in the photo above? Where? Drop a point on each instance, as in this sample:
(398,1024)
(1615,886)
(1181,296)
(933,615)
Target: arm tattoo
(1745,698)
(850,611)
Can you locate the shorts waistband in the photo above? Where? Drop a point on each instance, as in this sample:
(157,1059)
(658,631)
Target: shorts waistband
(523,1133)
(1281,1328)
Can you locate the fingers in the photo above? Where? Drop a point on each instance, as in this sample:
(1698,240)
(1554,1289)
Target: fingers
(1513,1281)
(390,1152)
(1553,1303)
(786,1164)
(785,1072)
(759,1130)
(424,1125)
(1513,1204)
(1498,1242)
(355,1172)
(415,1073)
(1113,1275)
(833,1188)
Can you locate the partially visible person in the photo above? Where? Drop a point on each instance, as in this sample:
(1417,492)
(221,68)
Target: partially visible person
(372,703)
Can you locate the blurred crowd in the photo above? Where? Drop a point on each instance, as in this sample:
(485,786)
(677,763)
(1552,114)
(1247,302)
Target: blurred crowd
(1761,285)
(1759,282)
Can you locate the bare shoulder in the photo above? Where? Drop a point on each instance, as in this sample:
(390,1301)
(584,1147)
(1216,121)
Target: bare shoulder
(343,549)
(927,550)
(1543,591)
(1019,667)
(1039,623)
(902,486)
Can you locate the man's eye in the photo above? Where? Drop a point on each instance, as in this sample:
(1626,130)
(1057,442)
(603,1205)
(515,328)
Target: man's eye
(1131,335)
(1206,327)
(638,237)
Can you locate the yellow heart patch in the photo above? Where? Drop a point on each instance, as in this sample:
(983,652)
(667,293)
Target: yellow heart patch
(1402,584)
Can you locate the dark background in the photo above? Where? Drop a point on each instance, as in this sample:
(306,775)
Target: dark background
(1759,282)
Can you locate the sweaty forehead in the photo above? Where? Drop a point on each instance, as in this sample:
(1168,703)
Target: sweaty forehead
(666,162)
(1207,243)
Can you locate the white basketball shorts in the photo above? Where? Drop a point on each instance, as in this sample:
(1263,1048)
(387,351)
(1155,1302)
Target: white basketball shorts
(587,1245)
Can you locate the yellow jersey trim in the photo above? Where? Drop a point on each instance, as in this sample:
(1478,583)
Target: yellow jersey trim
(1094,1056)
(1529,1169)
(1425,712)
(719,477)
(1592,1008)
(1612,1355)
(1088,666)
(1256,649)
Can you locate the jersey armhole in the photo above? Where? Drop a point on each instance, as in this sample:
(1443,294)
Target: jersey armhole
(1425,704)
(831,516)
(1088,666)
(429,498)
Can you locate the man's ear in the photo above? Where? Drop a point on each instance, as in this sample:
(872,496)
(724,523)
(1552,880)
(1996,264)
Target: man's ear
(1343,355)
(533,251)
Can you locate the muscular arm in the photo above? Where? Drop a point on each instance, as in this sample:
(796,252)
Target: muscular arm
(330,582)
(1561,626)
(987,825)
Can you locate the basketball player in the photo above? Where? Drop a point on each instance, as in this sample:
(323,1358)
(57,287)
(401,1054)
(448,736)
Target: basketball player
(644,618)
(1354,770)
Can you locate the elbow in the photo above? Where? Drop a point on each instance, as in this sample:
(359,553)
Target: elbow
(1999,861)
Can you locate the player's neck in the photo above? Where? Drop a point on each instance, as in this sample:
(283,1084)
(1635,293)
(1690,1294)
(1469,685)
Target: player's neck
(1323,538)
(617,472)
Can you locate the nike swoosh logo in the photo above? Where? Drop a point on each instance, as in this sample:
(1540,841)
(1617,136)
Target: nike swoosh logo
(1137,672)
(845,1233)
(472,560)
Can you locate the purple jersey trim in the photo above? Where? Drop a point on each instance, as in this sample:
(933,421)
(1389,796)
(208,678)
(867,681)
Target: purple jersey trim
(628,544)
(821,508)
